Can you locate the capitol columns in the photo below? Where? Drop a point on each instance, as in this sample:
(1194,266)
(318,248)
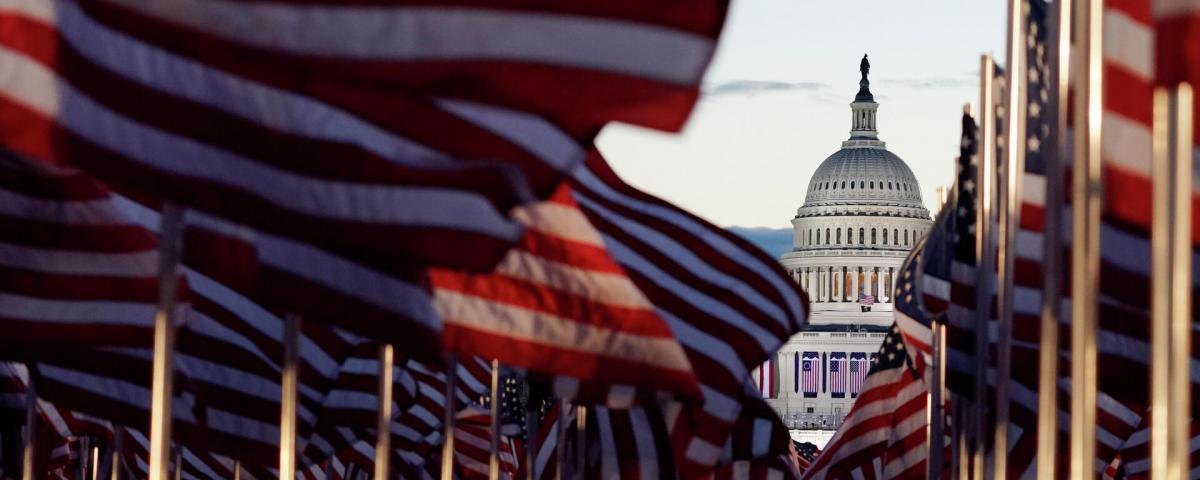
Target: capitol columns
(854,282)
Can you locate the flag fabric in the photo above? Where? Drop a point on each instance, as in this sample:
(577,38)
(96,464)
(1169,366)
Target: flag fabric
(866,299)
(245,140)
(1176,39)
(392,107)
(75,270)
(859,366)
(837,374)
(472,446)
(884,435)
(810,374)
(559,304)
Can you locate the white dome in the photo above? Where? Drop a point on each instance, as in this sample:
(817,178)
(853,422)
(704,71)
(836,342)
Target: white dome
(864,176)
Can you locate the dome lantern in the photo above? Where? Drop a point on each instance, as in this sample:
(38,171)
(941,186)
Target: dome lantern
(862,110)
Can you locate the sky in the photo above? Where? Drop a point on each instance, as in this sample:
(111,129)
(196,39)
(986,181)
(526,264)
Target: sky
(776,102)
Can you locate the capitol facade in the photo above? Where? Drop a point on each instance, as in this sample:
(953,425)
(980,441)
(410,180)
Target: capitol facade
(861,216)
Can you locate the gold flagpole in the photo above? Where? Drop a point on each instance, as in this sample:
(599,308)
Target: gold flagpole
(117,445)
(1010,210)
(1181,279)
(936,441)
(179,462)
(162,378)
(1085,252)
(287,397)
(237,470)
(580,441)
(984,253)
(494,456)
(448,419)
(1060,58)
(383,420)
(1171,282)
(27,451)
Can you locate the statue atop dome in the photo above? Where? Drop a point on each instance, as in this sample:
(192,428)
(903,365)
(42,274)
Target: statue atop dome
(864,85)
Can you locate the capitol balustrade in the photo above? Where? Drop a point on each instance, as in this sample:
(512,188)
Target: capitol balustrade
(812,421)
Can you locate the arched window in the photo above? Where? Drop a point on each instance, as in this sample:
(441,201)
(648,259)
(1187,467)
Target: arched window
(809,238)
(839,236)
(852,185)
(896,236)
(906,238)
(843,184)
(874,241)
(861,235)
(885,241)
(850,236)
(862,184)
(827,237)
(872,185)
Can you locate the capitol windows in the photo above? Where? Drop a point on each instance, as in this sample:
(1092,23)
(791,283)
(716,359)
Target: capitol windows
(906,238)
(839,236)
(860,235)
(809,238)
(872,185)
(885,241)
(843,184)
(862,184)
(896,236)
(826,236)
(874,241)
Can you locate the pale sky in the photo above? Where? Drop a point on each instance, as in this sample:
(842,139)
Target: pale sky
(778,93)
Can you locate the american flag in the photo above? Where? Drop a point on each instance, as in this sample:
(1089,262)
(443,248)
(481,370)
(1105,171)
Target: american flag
(810,374)
(248,111)
(865,298)
(858,372)
(884,435)
(837,374)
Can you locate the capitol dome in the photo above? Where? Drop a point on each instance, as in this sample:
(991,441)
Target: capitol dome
(862,213)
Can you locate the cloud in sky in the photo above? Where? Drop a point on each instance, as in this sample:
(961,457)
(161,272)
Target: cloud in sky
(751,87)
(932,82)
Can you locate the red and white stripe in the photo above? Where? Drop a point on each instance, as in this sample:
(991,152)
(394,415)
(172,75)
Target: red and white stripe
(624,61)
(75,270)
(837,375)
(559,304)
(859,367)
(472,446)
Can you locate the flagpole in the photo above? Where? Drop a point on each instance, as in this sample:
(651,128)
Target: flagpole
(287,397)
(118,444)
(1052,264)
(163,375)
(383,419)
(1085,252)
(448,418)
(1010,210)
(179,462)
(984,251)
(494,456)
(237,470)
(936,443)
(27,452)
(1171,282)
(580,440)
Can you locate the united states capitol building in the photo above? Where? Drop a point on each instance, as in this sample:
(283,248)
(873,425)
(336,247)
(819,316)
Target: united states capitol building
(861,215)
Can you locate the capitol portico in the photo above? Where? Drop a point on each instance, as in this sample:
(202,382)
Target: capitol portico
(862,213)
